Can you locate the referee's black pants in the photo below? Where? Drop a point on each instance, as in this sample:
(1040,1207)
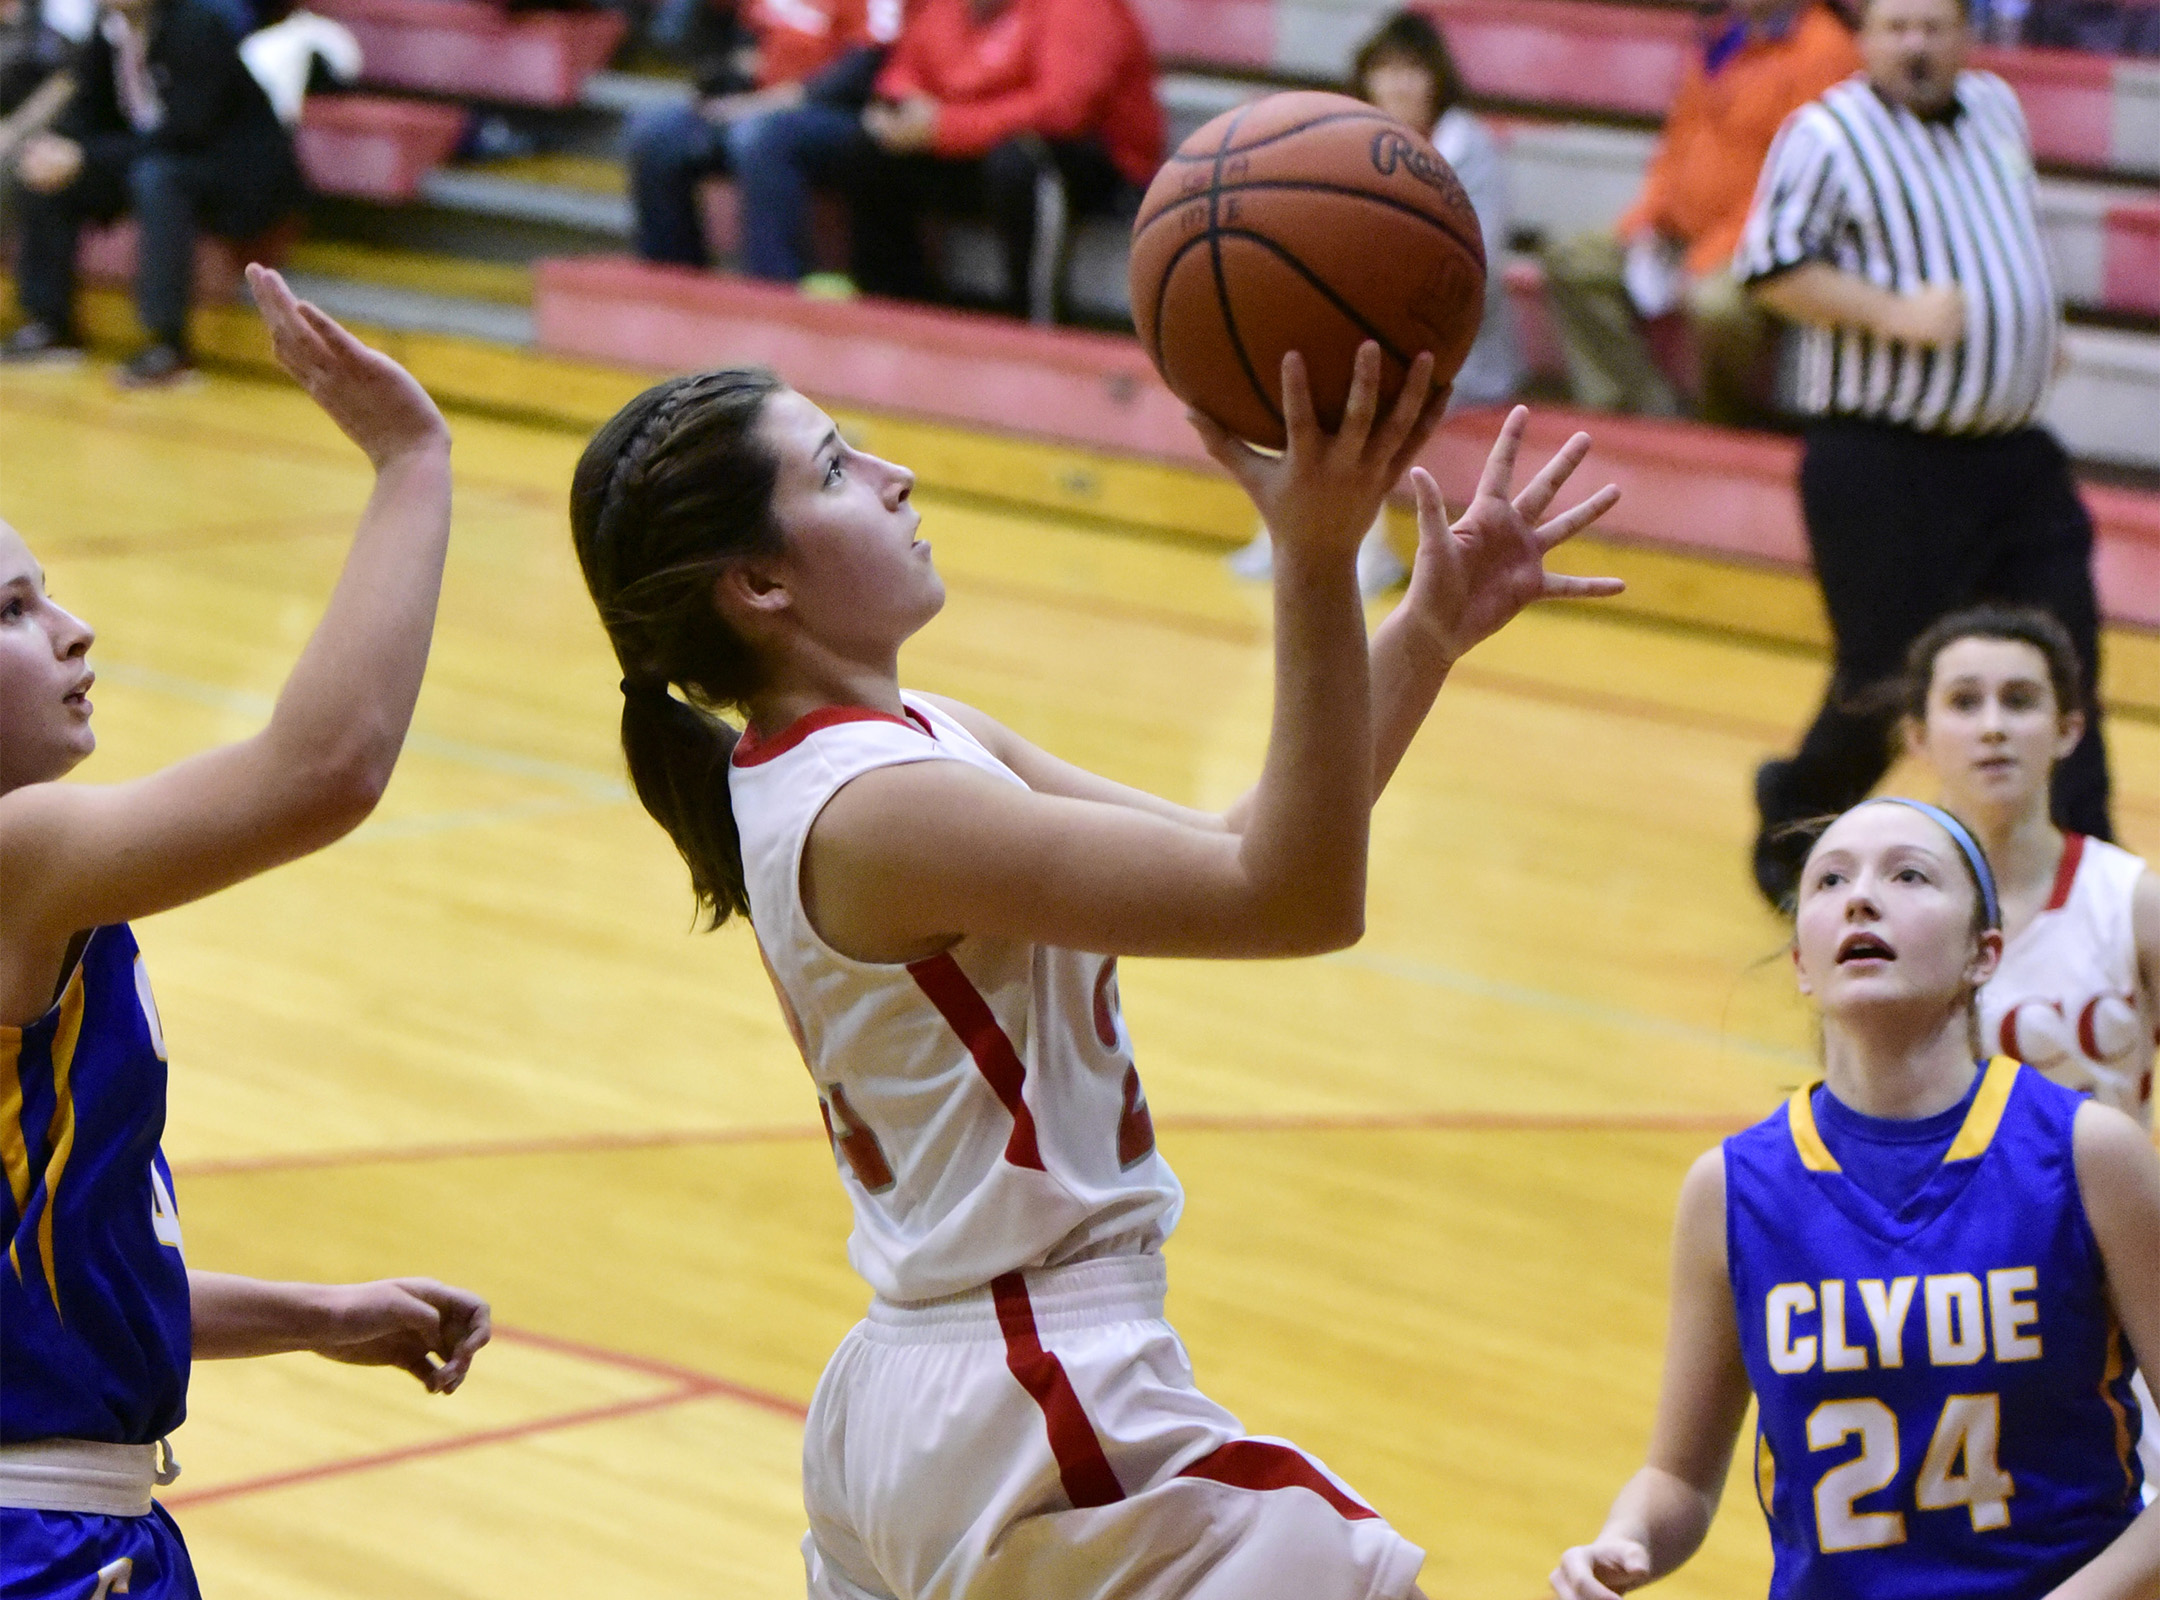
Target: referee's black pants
(1904,528)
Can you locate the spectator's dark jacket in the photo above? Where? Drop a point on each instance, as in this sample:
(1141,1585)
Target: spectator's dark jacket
(30,53)
(213,107)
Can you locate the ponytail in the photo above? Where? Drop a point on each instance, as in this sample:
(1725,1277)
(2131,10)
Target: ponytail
(678,760)
(674,490)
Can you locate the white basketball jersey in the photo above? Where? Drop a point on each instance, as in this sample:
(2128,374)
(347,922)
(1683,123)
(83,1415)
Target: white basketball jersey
(2066,998)
(983,1104)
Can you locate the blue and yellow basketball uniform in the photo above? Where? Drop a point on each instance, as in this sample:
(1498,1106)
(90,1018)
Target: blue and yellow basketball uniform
(1943,1390)
(94,1324)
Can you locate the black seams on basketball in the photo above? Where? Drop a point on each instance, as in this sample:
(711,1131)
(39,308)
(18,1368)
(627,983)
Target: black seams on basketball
(1308,222)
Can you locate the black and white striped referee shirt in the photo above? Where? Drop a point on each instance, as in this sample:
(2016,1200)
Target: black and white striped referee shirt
(1905,202)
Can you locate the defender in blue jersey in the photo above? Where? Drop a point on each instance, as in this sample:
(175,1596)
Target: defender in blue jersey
(1933,1274)
(99,1314)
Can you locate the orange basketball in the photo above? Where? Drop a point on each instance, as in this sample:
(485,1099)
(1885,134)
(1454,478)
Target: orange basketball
(1308,222)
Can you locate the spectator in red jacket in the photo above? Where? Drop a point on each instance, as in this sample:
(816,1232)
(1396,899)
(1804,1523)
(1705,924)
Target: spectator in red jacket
(983,99)
(983,107)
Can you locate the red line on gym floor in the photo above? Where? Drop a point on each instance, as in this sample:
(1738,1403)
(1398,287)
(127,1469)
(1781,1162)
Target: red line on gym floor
(1198,1122)
(688,1385)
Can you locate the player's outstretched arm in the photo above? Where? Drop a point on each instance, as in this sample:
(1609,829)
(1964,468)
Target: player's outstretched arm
(426,1328)
(1660,1517)
(2119,1181)
(76,856)
(1471,578)
(905,860)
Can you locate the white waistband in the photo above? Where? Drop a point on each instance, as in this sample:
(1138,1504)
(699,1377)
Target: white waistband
(99,1480)
(1087,1294)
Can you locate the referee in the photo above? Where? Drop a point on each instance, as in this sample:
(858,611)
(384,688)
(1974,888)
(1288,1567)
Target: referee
(1895,224)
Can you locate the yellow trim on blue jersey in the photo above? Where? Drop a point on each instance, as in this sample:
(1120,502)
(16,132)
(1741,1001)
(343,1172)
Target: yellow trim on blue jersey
(1765,1471)
(14,1149)
(1800,1114)
(2108,1379)
(62,1133)
(1987,1112)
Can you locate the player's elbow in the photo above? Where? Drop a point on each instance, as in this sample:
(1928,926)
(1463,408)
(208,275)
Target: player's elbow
(1314,925)
(340,787)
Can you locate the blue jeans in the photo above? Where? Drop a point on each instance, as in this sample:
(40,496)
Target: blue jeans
(782,159)
(170,196)
(671,152)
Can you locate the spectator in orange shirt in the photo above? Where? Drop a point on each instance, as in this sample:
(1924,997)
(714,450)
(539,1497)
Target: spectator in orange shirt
(802,52)
(1672,249)
(986,107)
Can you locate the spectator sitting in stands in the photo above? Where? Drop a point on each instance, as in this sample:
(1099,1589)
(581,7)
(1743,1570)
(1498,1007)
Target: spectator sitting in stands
(819,52)
(166,122)
(1671,251)
(32,54)
(1406,70)
(985,106)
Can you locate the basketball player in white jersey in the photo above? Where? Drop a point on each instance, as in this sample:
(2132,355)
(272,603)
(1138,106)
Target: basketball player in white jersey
(1994,701)
(940,905)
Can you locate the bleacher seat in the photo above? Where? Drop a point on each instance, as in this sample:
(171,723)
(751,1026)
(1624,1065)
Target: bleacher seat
(1217,35)
(106,254)
(373,147)
(475,50)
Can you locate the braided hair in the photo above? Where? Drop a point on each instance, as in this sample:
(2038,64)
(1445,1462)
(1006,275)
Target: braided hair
(671,492)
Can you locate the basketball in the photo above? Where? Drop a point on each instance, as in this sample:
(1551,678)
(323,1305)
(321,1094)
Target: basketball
(1308,222)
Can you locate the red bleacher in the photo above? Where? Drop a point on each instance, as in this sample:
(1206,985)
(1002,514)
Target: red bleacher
(106,254)
(2132,263)
(475,50)
(1226,35)
(1683,484)
(1627,59)
(373,147)
(1613,58)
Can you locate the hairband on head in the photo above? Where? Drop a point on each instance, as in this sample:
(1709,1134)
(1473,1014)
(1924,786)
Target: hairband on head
(1975,857)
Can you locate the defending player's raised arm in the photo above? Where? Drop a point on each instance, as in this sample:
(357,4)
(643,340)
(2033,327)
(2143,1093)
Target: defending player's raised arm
(2119,1181)
(76,856)
(1660,1517)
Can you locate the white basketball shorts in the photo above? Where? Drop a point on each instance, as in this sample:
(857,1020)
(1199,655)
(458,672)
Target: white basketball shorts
(1041,1439)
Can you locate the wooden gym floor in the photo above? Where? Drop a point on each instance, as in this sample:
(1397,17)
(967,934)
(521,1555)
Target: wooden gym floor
(1430,1179)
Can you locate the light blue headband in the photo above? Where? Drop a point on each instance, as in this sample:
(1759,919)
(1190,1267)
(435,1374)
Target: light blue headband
(1975,857)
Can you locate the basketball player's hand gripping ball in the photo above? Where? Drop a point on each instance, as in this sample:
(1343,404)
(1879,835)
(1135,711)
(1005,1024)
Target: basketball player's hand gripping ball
(375,402)
(1321,493)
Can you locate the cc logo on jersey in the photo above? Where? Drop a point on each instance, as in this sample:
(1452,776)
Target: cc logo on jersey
(2104,1030)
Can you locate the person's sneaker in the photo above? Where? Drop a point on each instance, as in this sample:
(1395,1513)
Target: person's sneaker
(161,366)
(1255,561)
(1379,569)
(40,344)
(1780,852)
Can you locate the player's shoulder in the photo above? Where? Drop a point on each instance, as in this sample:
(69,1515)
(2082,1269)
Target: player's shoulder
(2111,862)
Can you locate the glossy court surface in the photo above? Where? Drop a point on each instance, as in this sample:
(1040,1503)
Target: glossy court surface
(1430,1180)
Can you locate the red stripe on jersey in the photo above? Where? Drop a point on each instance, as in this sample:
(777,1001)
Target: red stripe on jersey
(961,1004)
(1082,1467)
(1256,1464)
(753,748)
(2065,872)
